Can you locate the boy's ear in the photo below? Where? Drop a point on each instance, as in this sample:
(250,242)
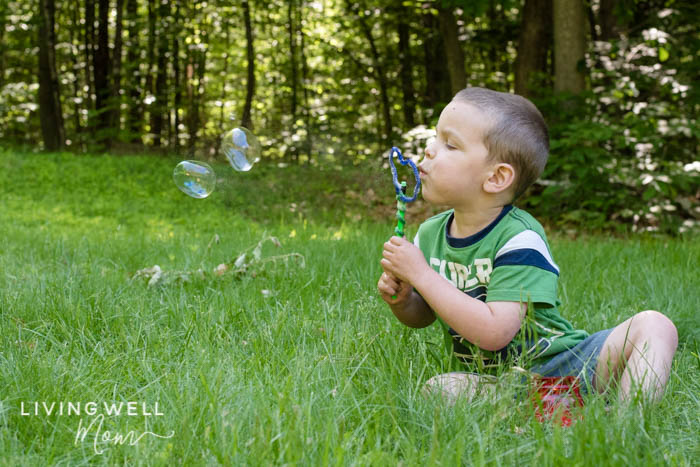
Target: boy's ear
(500,178)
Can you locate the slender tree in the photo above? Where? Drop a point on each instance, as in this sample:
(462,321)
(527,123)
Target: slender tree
(50,112)
(378,70)
(569,46)
(305,77)
(196,63)
(3,20)
(89,48)
(246,120)
(293,72)
(74,32)
(150,60)
(453,48)
(437,78)
(226,25)
(533,44)
(133,67)
(102,69)
(160,105)
(610,22)
(115,104)
(176,79)
(406,64)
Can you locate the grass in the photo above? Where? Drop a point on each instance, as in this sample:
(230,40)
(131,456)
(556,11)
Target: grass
(282,364)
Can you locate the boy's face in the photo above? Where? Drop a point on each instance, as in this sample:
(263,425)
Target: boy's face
(454,168)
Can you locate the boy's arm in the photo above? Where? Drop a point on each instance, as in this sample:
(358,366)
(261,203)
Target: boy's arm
(408,306)
(491,325)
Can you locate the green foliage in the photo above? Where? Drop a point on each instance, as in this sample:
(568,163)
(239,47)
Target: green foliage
(624,156)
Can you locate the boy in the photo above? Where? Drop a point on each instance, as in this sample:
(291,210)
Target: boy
(484,267)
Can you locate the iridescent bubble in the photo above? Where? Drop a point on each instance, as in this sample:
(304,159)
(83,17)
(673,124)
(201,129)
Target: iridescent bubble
(241,148)
(194,178)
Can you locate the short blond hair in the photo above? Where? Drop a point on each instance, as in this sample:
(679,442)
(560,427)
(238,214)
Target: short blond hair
(517,136)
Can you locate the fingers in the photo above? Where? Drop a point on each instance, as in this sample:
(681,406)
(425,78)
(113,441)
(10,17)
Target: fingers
(388,267)
(392,290)
(389,284)
(398,241)
(391,281)
(393,243)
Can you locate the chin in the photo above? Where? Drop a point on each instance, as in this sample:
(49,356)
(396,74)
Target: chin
(430,199)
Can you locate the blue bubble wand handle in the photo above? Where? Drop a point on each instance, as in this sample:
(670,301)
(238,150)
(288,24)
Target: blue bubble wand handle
(401,198)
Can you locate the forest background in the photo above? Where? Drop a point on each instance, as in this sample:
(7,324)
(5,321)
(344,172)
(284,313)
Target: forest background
(333,84)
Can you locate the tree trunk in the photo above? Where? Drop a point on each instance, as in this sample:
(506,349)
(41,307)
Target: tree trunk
(533,45)
(133,54)
(224,92)
(610,24)
(50,113)
(293,76)
(177,80)
(453,49)
(195,80)
(437,78)
(150,61)
(305,79)
(3,20)
(160,105)
(246,120)
(201,71)
(102,68)
(591,21)
(76,67)
(406,63)
(381,78)
(192,112)
(569,46)
(89,41)
(115,113)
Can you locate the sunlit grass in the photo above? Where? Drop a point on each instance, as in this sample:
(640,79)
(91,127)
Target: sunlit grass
(282,364)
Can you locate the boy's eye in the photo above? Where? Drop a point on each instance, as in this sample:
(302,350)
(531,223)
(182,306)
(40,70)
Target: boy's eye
(449,146)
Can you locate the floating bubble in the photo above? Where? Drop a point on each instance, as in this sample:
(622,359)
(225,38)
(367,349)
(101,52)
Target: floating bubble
(241,148)
(194,178)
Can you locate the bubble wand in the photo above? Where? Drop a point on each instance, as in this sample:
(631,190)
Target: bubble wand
(401,198)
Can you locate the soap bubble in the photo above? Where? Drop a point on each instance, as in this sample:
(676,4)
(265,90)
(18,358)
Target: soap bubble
(194,178)
(241,148)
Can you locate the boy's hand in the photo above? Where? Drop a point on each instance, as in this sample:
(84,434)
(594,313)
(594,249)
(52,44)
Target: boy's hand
(392,290)
(403,260)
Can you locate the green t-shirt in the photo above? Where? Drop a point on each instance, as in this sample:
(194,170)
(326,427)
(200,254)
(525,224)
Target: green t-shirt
(509,260)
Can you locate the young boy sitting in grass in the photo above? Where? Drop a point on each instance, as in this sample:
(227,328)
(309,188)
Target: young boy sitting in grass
(480,264)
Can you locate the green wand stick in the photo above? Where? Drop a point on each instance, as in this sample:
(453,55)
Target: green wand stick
(400,215)
(401,198)
(400,212)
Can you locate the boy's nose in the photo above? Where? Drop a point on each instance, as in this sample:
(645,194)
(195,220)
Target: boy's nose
(429,151)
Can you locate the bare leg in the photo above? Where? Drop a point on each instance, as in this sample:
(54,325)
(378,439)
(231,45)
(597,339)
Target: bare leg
(638,352)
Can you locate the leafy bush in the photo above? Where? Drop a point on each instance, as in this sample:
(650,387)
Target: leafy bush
(623,156)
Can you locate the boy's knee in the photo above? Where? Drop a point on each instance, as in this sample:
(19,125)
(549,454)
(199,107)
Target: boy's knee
(658,324)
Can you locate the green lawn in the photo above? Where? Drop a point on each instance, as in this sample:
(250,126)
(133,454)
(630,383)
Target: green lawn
(287,361)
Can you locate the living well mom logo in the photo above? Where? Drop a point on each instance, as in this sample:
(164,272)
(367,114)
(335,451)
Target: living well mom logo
(91,417)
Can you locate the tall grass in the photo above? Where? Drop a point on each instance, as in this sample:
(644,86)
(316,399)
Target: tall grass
(282,364)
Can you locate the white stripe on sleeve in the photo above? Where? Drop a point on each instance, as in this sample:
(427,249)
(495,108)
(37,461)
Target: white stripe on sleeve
(527,240)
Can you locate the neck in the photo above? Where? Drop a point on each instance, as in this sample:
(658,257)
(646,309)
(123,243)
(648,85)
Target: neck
(470,221)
